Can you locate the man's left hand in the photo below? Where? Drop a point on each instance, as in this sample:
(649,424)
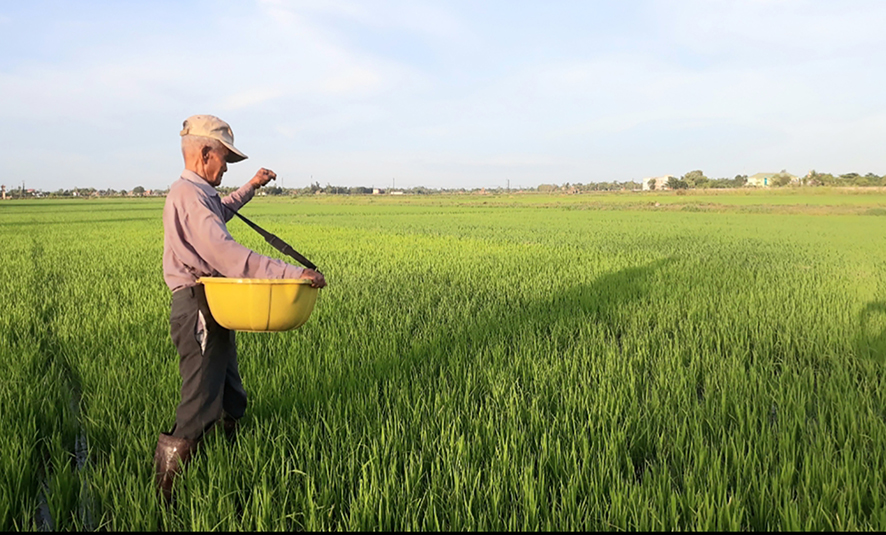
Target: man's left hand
(262,177)
(317,279)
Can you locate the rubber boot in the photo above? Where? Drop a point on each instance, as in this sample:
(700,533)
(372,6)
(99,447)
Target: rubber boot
(170,458)
(230,425)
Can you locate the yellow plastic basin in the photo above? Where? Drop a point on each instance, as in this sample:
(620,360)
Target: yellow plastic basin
(259,305)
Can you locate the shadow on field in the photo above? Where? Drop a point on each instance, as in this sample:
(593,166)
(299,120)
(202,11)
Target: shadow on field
(510,327)
(461,362)
(603,303)
(871,340)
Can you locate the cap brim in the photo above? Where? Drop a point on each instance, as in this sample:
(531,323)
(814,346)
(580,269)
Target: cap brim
(234,155)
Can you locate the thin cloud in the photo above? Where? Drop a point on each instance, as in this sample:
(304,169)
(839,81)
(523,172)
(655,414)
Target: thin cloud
(452,94)
(771,31)
(250,98)
(421,18)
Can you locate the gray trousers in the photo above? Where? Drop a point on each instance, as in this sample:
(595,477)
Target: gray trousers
(211,384)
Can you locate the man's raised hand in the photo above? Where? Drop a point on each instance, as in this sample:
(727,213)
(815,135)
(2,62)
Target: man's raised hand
(262,177)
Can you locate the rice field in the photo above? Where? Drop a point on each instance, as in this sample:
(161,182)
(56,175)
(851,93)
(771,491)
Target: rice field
(605,362)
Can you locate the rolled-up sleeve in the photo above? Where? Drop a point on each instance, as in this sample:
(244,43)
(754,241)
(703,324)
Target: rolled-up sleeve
(206,233)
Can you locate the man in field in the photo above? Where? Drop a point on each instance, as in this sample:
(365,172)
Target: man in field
(197,244)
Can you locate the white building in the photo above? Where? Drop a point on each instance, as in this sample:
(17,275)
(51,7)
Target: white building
(764,180)
(661,182)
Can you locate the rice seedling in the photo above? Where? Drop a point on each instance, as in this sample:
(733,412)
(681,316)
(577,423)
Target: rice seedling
(589,362)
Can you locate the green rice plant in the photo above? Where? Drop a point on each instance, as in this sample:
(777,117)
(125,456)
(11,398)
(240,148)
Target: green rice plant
(534,362)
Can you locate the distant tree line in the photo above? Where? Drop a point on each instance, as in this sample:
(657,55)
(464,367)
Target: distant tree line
(591,186)
(138,191)
(849,179)
(697,180)
(692,180)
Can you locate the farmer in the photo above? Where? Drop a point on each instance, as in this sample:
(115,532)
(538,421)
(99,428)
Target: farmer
(197,244)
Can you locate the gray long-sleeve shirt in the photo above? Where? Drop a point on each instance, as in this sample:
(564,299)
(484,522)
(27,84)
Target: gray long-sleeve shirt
(196,241)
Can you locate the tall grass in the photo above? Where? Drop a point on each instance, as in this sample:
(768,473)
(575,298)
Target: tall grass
(470,367)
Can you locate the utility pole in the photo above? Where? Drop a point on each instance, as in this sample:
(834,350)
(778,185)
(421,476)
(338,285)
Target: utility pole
(393,184)
(509,185)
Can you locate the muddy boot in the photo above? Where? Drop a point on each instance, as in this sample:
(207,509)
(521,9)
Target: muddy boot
(170,458)
(230,425)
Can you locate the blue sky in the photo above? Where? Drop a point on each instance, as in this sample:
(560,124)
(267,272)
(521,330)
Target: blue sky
(442,94)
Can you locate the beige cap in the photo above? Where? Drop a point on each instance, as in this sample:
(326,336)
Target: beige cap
(213,127)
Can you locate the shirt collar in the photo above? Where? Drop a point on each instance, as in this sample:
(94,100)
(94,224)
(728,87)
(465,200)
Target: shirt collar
(199,181)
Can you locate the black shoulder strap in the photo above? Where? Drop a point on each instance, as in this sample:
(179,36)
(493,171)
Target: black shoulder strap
(277,243)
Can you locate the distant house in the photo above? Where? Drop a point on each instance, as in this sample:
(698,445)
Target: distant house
(765,180)
(661,182)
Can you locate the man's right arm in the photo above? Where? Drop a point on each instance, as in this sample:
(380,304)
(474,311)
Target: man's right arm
(206,233)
